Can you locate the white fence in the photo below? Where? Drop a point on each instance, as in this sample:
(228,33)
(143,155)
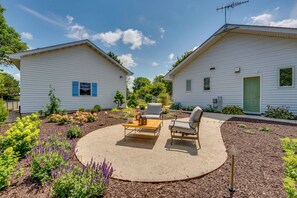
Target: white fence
(12,105)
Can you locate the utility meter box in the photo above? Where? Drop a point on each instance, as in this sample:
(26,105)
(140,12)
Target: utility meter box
(215,103)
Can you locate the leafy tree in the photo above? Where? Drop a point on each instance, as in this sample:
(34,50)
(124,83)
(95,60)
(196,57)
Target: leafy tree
(9,86)
(143,91)
(164,99)
(182,58)
(158,88)
(167,83)
(119,98)
(140,82)
(148,98)
(114,57)
(10,40)
(133,101)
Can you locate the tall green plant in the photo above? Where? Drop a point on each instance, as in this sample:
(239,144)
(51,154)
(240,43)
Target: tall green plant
(3,112)
(119,99)
(54,105)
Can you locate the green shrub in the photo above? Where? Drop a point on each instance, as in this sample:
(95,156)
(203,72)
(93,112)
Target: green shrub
(47,156)
(74,131)
(3,112)
(190,108)
(233,110)
(22,135)
(76,182)
(264,129)
(279,112)
(63,112)
(126,110)
(164,99)
(165,110)
(81,109)
(290,148)
(133,101)
(119,99)
(54,105)
(142,106)
(241,125)
(8,162)
(115,110)
(176,106)
(96,108)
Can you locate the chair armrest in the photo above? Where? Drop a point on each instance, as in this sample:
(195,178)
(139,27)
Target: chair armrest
(187,122)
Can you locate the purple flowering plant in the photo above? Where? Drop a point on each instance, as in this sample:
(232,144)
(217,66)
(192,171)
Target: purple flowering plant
(48,155)
(76,181)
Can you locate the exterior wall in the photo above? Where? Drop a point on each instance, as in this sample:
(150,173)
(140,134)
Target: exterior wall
(59,68)
(256,56)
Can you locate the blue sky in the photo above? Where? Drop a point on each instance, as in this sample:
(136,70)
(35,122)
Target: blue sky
(147,35)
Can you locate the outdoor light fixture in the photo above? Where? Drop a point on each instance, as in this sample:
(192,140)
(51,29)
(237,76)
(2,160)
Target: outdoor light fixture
(121,76)
(237,70)
(232,152)
(212,68)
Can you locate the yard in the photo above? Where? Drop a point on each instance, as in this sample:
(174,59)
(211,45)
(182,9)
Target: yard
(259,164)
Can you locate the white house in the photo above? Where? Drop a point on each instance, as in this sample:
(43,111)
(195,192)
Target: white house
(242,65)
(81,73)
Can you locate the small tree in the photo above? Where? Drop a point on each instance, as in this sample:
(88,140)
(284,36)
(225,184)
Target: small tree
(3,112)
(119,98)
(54,105)
(164,99)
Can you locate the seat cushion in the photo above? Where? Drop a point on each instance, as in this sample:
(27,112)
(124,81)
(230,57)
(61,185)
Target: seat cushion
(181,127)
(154,108)
(151,116)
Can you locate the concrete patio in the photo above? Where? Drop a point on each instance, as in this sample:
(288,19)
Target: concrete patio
(146,158)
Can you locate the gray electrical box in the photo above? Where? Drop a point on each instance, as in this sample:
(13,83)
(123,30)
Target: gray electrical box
(220,103)
(215,103)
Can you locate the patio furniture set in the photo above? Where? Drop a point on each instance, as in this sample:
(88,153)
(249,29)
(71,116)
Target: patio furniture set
(178,129)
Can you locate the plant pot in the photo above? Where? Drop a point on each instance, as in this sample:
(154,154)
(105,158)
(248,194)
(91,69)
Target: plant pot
(130,120)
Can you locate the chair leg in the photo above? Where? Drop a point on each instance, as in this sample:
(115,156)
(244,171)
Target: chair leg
(171,137)
(198,140)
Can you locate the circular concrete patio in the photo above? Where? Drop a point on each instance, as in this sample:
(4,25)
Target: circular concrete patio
(146,158)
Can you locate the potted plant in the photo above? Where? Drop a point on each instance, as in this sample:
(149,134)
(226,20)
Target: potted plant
(131,116)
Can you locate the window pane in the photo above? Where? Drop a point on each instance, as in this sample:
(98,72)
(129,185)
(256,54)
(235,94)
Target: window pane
(206,83)
(85,89)
(188,88)
(286,77)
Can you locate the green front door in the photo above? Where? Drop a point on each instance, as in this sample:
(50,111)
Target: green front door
(251,94)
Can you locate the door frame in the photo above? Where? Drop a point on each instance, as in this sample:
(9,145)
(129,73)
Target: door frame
(260,104)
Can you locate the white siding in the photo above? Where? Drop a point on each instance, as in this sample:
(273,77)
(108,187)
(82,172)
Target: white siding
(255,55)
(59,68)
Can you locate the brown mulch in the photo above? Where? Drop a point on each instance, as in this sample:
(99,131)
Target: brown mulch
(259,165)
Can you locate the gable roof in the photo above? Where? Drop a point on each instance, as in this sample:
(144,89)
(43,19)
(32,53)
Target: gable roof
(17,56)
(235,28)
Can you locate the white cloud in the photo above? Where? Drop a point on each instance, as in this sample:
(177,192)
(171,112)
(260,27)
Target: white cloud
(109,38)
(130,81)
(127,60)
(17,76)
(268,19)
(56,21)
(136,39)
(155,64)
(69,18)
(77,32)
(27,35)
(162,31)
(171,56)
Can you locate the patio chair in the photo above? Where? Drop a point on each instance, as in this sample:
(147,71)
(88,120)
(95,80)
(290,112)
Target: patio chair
(153,111)
(187,129)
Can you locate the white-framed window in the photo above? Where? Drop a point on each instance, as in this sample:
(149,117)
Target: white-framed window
(188,85)
(85,89)
(286,77)
(206,84)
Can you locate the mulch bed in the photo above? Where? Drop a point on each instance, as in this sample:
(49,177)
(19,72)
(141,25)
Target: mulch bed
(259,165)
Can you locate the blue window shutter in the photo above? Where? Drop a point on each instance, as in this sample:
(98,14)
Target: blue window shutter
(94,89)
(74,88)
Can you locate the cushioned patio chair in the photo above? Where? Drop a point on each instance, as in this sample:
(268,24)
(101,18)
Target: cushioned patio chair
(153,111)
(188,129)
